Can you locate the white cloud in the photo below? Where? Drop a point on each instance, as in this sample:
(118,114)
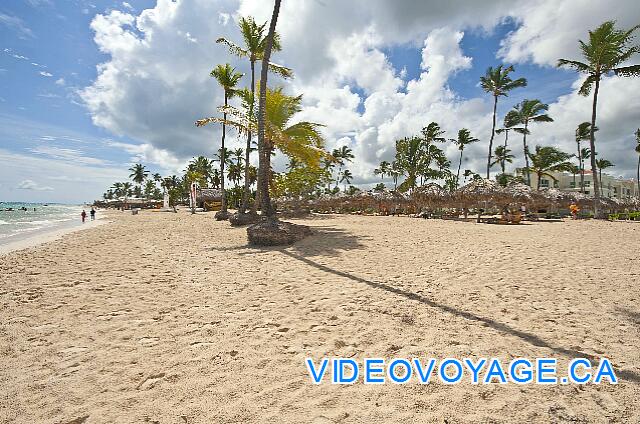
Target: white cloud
(156,84)
(32,185)
(71,155)
(60,81)
(45,74)
(84,183)
(17,25)
(550,29)
(127,5)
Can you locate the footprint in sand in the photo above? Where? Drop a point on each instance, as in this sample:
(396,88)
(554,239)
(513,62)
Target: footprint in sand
(151,381)
(149,341)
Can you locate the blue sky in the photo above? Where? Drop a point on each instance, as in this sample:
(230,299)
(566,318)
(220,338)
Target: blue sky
(48,54)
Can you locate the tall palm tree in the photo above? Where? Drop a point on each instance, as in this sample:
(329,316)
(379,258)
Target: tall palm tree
(301,140)
(264,151)
(574,170)
(255,43)
(524,113)
(606,51)
(342,155)
(228,78)
(583,133)
(602,164)
(546,160)
(637,134)
(383,170)
(464,139)
(138,173)
(346,178)
(503,155)
(126,189)
(498,82)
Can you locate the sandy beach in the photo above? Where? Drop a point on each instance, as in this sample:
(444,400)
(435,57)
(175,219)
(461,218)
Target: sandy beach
(172,318)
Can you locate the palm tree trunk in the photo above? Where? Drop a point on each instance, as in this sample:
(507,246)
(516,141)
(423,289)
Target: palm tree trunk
(264,151)
(638,178)
(526,154)
(592,145)
(459,166)
(493,132)
(247,185)
(506,139)
(222,157)
(581,163)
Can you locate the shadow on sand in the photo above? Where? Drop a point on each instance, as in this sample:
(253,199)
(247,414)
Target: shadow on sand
(331,241)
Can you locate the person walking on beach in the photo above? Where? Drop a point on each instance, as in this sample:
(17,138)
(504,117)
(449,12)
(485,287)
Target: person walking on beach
(83,215)
(93,214)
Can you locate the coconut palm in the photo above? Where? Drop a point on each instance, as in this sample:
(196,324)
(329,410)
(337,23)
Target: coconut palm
(637,134)
(342,155)
(255,43)
(202,165)
(463,140)
(502,155)
(301,140)
(546,160)
(138,173)
(346,178)
(126,189)
(498,83)
(607,50)
(583,132)
(383,170)
(228,78)
(602,164)
(523,113)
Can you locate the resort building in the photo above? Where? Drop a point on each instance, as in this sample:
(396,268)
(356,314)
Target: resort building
(612,187)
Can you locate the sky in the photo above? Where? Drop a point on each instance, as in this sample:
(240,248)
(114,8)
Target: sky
(88,87)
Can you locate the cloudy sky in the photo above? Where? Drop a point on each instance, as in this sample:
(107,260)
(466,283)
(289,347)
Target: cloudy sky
(88,87)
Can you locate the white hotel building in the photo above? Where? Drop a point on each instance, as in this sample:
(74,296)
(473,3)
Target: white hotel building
(612,187)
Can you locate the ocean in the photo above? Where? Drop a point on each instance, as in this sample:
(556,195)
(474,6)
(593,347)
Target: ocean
(38,218)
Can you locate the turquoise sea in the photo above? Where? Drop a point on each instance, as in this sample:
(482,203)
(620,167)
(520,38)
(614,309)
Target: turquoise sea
(18,223)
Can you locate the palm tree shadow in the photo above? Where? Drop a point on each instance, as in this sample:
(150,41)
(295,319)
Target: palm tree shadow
(325,241)
(498,326)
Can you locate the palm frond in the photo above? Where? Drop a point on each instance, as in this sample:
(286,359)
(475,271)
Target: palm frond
(628,71)
(234,49)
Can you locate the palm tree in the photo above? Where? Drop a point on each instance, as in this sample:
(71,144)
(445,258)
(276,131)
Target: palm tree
(383,170)
(574,170)
(301,140)
(464,139)
(546,160)
(607,49)
(228,78)
(138,173)
(503,155)
(523,113)
(202,165)
(255,43)
(637,134)
(602,164)
(498,82)
(395,173)
(126,189)
(583,132)
(342,155)
(346,178)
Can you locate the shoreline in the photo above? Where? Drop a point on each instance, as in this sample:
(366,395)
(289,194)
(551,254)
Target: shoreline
(47,235)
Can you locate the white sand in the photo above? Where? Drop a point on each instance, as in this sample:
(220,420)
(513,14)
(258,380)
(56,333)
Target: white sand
(171,318)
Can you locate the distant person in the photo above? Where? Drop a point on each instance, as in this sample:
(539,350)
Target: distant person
(83,215)
(574,210)
(93,214)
